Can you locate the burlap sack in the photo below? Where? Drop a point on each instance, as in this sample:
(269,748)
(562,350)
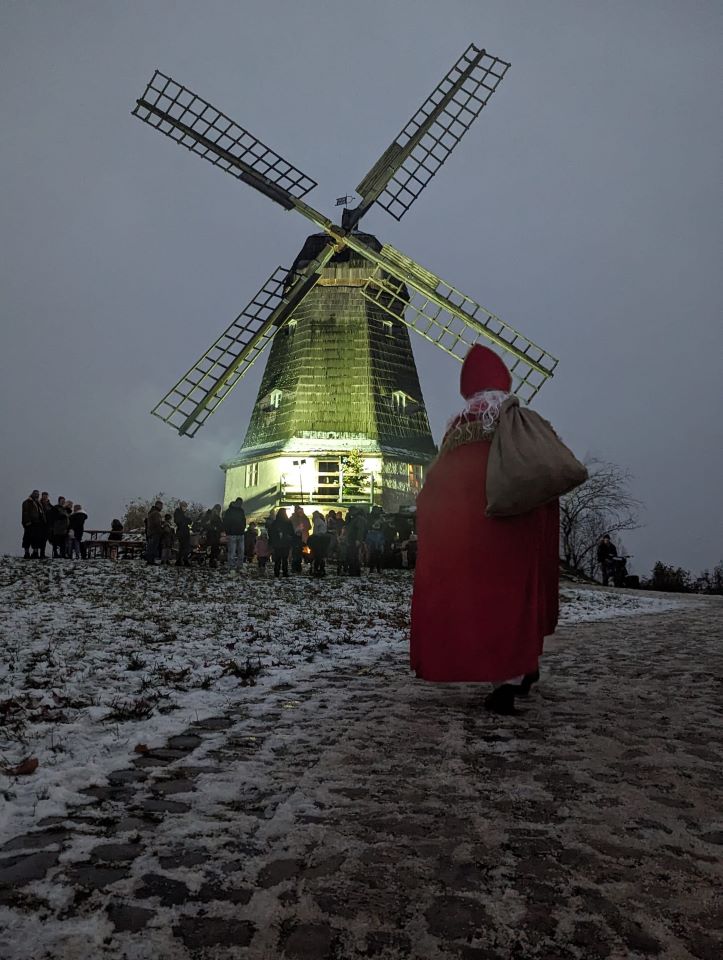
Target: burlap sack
(528,463)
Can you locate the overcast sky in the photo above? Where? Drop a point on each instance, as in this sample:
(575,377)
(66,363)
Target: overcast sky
(582,207)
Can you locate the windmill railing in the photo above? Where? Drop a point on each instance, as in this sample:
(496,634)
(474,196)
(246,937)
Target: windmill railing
(329,496)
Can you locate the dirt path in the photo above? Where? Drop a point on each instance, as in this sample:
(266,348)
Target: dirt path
(360,814)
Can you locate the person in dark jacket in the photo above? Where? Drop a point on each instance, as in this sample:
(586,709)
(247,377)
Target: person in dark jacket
(281,537)
(183,532)
(375,546)
(58,524)
(116,535)
(250,538)
(168,537)
(605,553)
(154,523)
(46,506)
(269,520)
(355,533)
(234,525)
(33,521)
(214,529)
(76,524)
(412,551)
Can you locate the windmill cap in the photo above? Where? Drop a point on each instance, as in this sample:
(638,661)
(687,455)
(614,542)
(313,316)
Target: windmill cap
(483,370)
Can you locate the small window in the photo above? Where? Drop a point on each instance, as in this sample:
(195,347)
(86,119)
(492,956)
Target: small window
(388,328)
(291,327)
(399,401)
(275,399)
(328,482)
(252,474)
(414,473)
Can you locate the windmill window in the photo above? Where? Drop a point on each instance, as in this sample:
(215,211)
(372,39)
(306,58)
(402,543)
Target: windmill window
(328,480)
(414,472)
(399,401)
(275,399)
(291,328)
(388,328)
(252,475)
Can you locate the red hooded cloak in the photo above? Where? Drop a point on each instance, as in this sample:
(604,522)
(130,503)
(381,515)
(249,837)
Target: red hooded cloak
(480,609)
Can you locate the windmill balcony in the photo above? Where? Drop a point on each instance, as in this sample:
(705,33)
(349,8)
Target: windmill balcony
(327,496)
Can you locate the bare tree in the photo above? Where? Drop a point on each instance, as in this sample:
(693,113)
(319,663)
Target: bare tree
(603,504)
(137,510)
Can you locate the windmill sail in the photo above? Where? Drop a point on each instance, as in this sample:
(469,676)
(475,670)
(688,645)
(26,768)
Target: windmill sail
(409,163)
(200,127)
(191,401)
(451,320)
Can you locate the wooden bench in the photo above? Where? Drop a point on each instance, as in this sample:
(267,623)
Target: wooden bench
(122,549)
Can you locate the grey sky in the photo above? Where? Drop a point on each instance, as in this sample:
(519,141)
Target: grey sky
(582,207)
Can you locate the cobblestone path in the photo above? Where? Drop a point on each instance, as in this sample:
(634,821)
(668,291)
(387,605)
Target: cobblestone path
(361,814)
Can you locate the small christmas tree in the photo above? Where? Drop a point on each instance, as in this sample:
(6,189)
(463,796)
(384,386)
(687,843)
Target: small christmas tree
(354,476)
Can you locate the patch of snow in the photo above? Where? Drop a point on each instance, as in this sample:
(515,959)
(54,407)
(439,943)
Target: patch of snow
(580,605)
(97,657)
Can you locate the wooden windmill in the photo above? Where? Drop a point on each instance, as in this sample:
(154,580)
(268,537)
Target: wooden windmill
(341,375)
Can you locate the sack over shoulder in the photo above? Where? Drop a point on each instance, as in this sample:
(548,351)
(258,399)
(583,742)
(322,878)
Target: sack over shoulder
(528,464)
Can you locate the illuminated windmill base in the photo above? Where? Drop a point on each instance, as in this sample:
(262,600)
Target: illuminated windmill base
(340,379)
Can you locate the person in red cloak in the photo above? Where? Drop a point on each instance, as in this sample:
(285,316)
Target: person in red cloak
(483,618)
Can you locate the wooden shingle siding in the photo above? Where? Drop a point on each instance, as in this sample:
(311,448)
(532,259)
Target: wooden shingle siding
(338,366)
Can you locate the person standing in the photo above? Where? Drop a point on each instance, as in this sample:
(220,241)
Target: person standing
(183,532)
(281,538)
(606,553)
(76,525)
(58,527)
(168,536)
(412,551)
(114,537)
(33,522)
(234,525)
(154,524)
(355,533)
(375,546)
(46,506)
(319,544)
(262,551)
(214,529)
(484,620)
(269,520)
(301,524)
(250,538)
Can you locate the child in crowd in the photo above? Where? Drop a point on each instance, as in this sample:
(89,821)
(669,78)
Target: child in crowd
(76,523)
(168,535)
(375,547)
(250,537)
(411,547)
(116,534)
(262,551)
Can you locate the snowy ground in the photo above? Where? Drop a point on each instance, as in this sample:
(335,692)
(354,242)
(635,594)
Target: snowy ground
(99,658)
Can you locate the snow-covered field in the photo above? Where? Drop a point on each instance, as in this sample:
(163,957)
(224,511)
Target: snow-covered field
(98,658)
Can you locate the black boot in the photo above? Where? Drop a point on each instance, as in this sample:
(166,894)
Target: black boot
(502,699)
(527,681)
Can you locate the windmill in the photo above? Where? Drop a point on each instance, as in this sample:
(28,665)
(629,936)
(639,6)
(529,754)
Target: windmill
(341,375)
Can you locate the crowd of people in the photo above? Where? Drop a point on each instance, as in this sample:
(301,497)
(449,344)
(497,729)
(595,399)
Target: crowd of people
(55,526)
(281,542)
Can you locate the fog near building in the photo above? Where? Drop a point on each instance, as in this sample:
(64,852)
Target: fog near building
(582,207)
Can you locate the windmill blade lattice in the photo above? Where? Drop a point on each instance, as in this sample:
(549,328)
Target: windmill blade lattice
(196,124)
(423,145)
(192,400)
(452,321)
